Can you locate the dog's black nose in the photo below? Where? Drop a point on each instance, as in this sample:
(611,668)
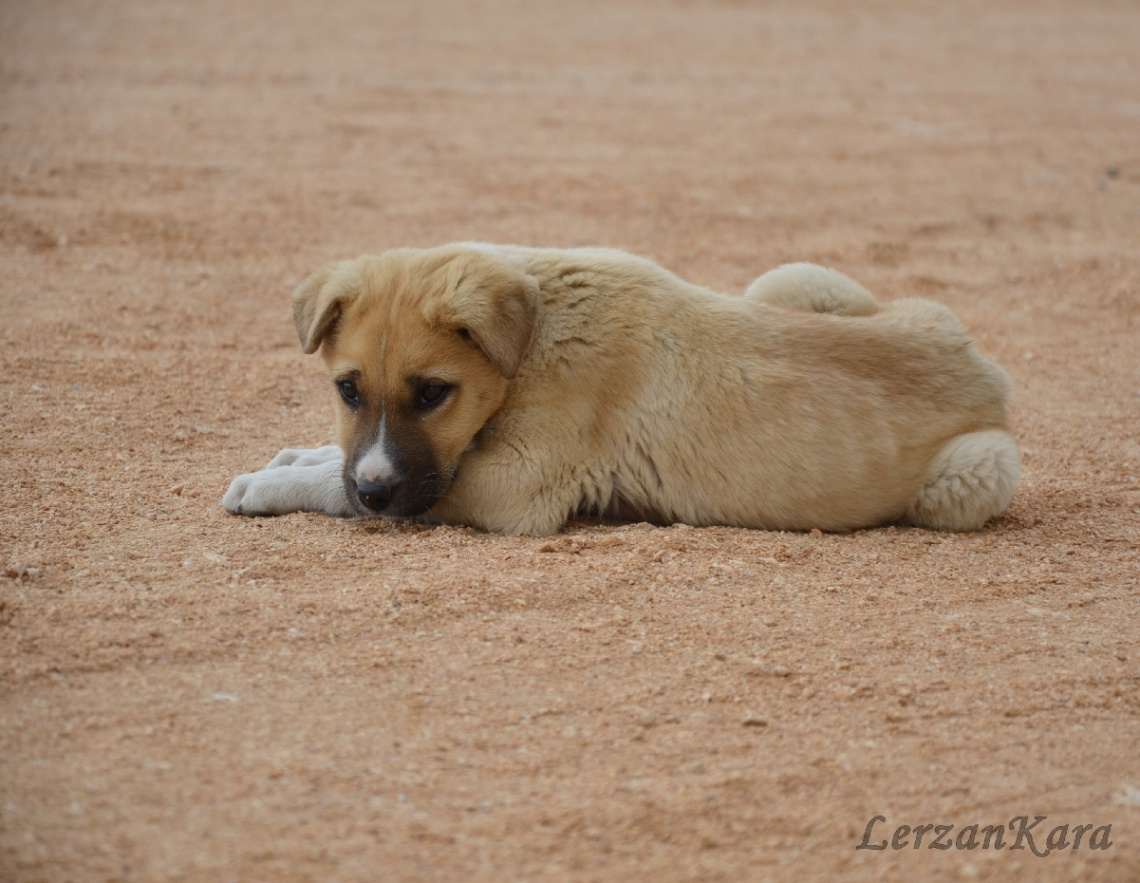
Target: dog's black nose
(375,495)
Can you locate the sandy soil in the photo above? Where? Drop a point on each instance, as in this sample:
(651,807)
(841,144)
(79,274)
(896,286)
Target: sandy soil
(190,696)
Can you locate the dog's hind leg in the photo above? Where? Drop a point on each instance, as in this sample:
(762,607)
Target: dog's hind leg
(814,289)
(969,482)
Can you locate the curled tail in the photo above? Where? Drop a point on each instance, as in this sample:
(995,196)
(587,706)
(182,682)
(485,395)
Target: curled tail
(813,288)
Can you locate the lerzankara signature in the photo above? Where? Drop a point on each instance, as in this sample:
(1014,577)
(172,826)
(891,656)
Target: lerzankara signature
(989,836)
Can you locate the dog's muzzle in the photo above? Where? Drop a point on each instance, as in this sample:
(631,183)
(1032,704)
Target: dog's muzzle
(387,482)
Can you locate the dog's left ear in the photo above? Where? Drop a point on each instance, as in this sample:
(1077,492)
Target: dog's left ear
(497,305)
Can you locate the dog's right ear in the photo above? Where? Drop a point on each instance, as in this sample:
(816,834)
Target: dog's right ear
(320,299)
(496,304)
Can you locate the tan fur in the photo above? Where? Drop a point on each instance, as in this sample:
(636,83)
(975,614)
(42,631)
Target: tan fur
(399,321)
(590,380)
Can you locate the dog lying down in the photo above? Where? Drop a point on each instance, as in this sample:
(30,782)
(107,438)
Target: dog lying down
(511,388)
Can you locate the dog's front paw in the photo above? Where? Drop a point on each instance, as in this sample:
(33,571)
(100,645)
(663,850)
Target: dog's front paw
(306,456)
(278,490)
(240,499)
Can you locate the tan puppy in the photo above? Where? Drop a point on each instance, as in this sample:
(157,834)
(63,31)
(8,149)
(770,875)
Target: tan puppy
(509,388)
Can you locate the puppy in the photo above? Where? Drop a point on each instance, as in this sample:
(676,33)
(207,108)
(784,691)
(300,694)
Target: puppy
(511,388)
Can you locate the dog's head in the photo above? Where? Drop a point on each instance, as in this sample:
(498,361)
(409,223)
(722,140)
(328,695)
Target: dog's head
(421,347)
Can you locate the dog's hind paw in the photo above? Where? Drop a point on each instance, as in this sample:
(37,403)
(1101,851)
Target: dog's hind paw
(970,481)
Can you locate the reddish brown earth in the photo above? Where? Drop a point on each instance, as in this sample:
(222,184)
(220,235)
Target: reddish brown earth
(186,695)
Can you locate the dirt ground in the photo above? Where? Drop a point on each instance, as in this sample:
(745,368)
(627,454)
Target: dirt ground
(186,695)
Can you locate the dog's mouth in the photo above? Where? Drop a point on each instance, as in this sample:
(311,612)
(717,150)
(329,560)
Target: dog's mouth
(398,498)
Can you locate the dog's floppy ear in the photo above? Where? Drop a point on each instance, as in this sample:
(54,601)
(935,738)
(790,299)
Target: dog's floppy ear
(320,299)
(496,303)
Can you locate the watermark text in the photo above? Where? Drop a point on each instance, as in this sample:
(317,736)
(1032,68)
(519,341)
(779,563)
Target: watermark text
(1021,836)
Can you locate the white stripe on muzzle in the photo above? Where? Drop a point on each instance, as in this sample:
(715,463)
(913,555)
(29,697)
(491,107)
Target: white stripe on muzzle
(376,466)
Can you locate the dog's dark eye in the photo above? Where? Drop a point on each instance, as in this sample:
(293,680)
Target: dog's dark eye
(349,392)
(431,394)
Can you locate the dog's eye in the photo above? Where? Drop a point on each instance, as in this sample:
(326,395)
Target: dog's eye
(349,392)
(431,394)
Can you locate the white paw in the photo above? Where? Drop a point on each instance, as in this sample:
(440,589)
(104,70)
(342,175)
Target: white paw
(278,490)
(306,456)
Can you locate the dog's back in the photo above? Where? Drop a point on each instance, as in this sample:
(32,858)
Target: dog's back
(826,411)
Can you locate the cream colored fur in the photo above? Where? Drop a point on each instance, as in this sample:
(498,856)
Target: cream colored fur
(803,404)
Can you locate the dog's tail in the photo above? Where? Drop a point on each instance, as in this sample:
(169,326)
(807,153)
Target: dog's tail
(813,288)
